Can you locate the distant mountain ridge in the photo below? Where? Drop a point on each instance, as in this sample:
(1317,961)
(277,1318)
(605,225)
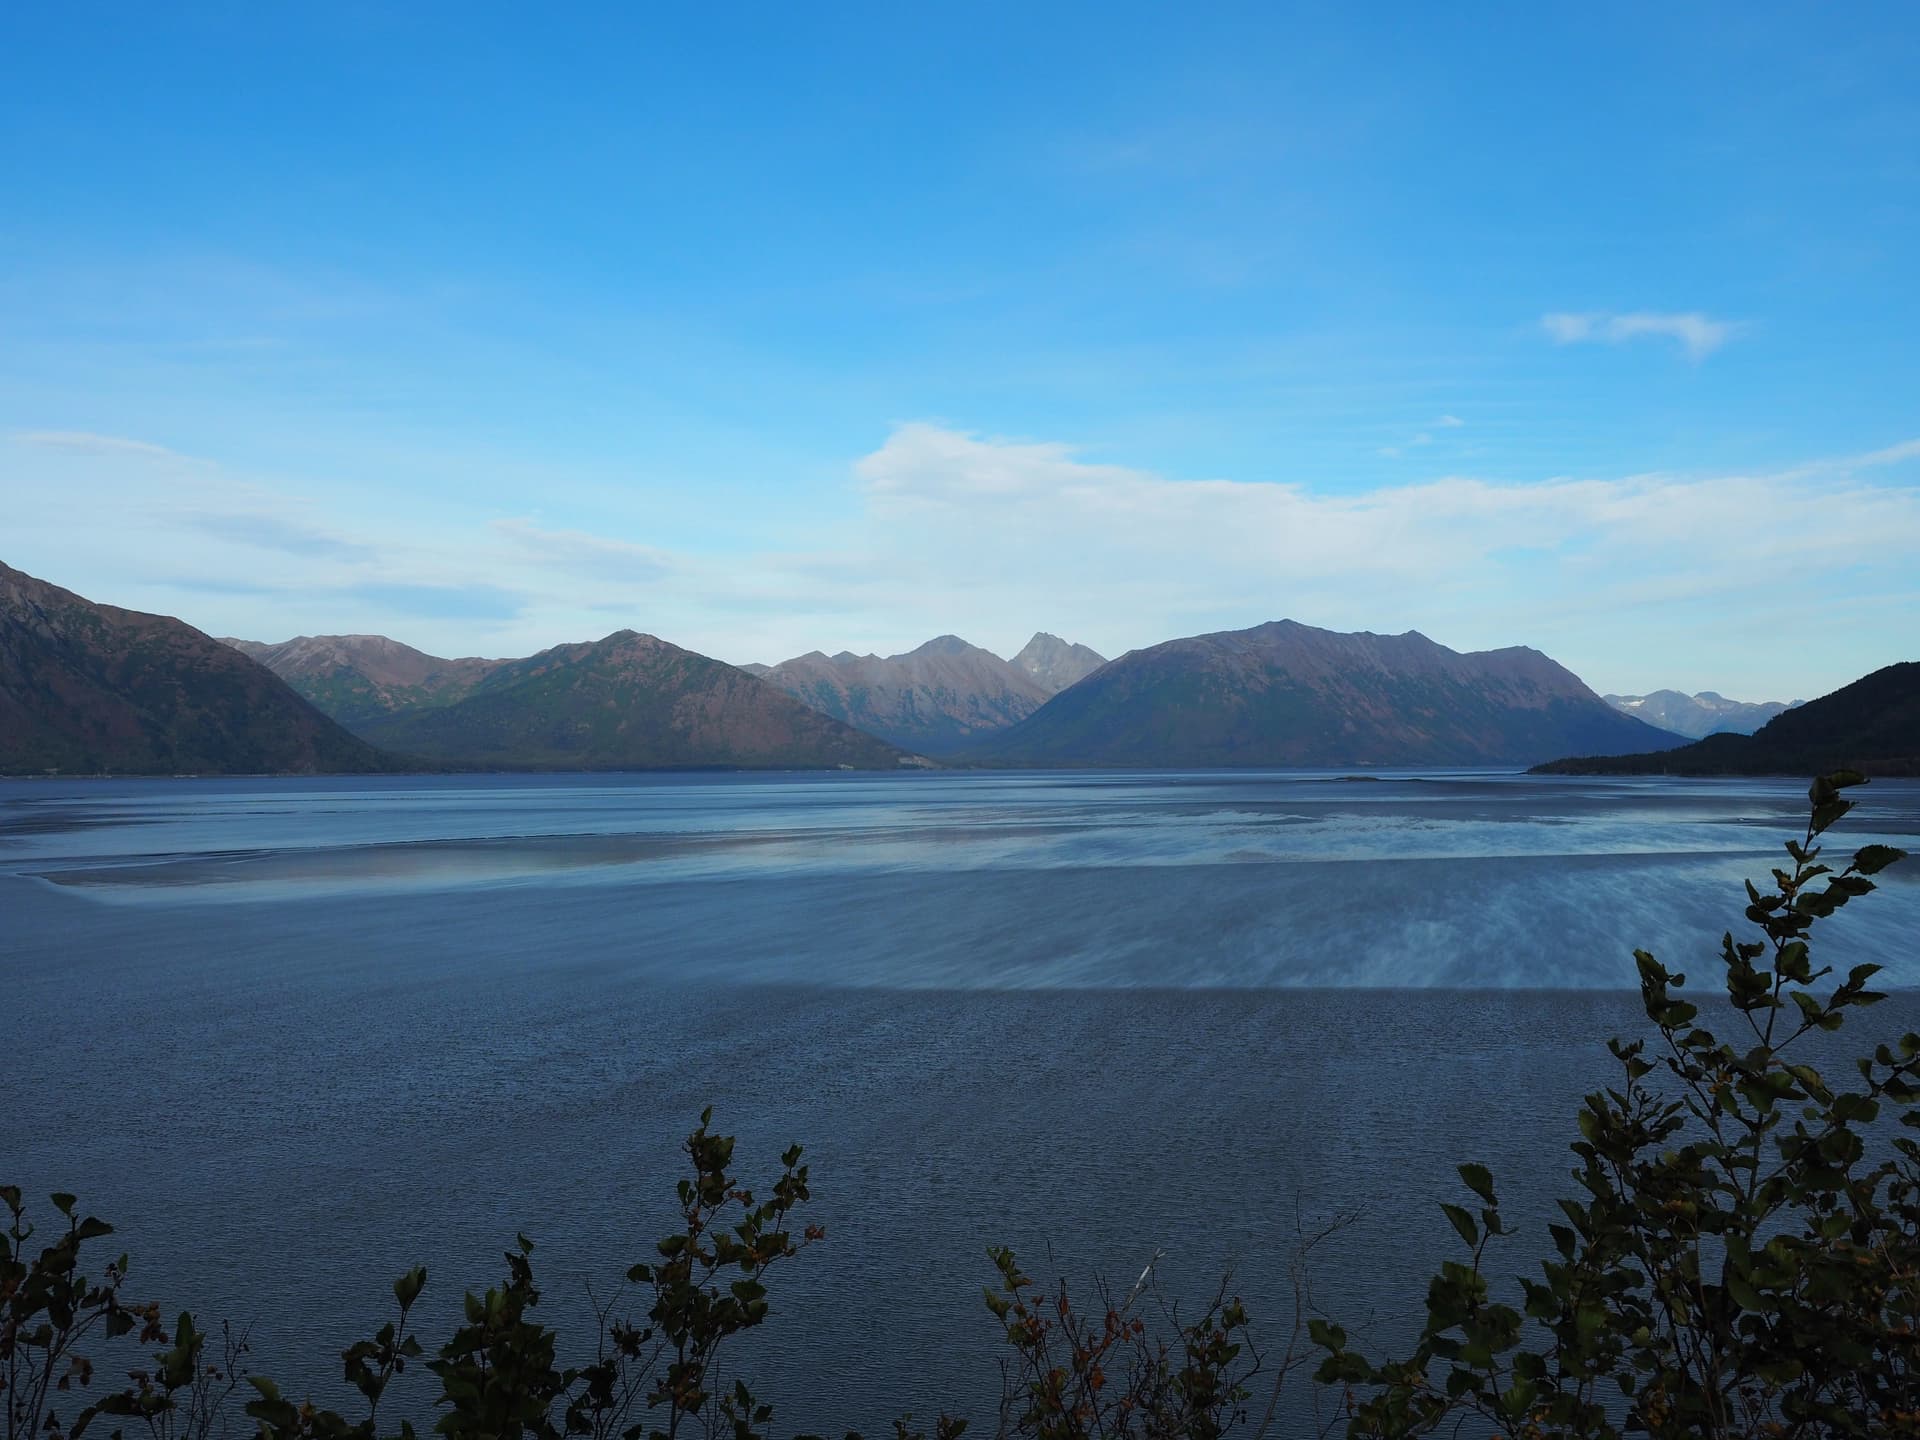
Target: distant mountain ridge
(1284,694)
(93,689)
(1055,663)
(1695,716)
(931,700)
(358,678)
(1872,725)
(144,693)
(629,701)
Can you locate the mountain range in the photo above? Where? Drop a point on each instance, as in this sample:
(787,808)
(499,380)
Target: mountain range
(627,702)
(93,688)
(87,688)
(937,698)
(1872,725)
(360,678)
(1284,694)
(1695,716)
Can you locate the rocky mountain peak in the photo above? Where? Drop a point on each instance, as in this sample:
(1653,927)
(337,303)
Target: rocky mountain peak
(1054,663)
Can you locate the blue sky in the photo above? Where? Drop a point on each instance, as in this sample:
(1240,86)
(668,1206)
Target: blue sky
(774,328)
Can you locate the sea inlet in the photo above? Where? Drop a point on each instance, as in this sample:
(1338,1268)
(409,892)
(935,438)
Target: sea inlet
(292,1036)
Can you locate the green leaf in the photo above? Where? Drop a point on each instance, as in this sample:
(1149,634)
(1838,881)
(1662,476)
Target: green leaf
(1463,1222)
(1479,1180)
(1872,859)
(1326,1335)
(1825,787)
(1825,814)
(1519,1398)
(407,1288)
(1794,963)
(1743,1293)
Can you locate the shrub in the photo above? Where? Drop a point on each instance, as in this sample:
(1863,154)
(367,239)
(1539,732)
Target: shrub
(1745,1255)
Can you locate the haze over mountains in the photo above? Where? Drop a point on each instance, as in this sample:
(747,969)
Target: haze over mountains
(1707,713)
(938,697)
(91,689)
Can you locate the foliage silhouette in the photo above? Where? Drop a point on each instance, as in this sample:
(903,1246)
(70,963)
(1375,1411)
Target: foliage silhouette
(1746,1255)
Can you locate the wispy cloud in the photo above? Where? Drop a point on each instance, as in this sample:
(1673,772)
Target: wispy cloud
(1892,454)
(951,530)
(582,553)
(1419,438)
(267,531)
(191,493)
(215,585)
(439,602)
(1698,334)
(82,442)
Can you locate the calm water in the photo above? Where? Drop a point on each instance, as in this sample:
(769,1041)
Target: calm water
(293,1036)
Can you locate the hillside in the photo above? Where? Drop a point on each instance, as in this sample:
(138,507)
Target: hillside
(629,701)
(1288,694)
(1697,716)
(931,700)
(358,678)
(1872,725)
(93,689)
(1055,664)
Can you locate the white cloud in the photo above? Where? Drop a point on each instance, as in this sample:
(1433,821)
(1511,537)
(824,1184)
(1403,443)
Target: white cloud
(1030,532)
(1449,422)
(975,485)
(1698,334)
(81,442)
(1642,580)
